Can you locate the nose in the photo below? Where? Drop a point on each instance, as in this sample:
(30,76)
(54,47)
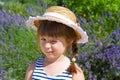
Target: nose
(48,45)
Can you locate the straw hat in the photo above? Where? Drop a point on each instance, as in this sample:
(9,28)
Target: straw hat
(61,15)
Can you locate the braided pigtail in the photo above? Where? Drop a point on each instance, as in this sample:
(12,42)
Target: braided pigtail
(72,69)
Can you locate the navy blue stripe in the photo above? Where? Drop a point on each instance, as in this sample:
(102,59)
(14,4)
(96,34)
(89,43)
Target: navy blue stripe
(39,66)
(35,79)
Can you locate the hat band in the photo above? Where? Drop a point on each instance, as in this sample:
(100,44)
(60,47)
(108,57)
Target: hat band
(60,16)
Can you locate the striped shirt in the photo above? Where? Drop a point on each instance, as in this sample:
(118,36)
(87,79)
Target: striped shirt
(39,73)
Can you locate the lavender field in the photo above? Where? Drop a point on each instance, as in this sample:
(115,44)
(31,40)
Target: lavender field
(99,58)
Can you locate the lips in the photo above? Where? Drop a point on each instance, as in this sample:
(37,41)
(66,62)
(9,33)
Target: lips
(49,52)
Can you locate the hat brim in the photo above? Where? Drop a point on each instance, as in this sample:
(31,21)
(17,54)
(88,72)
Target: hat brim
(35,21)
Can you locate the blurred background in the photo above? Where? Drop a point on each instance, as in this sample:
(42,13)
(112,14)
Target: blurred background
(99,58)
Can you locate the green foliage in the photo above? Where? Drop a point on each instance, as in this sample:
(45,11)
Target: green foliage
(22,9)
(94,7)
(19,51)
(15,8)
(27,7)
(34,2)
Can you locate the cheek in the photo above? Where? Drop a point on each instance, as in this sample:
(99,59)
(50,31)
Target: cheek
(42,46)
(60,47)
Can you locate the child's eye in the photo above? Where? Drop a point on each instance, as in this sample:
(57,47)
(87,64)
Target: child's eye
(53,41)
(43,39)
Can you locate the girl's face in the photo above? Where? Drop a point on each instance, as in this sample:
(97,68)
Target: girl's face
(53,47)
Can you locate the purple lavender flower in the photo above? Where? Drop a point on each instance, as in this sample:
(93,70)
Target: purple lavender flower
(2,43)
(6,20)
(97,43)
(102,58)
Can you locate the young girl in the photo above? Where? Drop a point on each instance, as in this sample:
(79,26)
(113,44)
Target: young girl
(57,32)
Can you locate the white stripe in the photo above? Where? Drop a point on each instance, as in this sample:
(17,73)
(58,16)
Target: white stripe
(34,74)
(38,71)
(38,67)
(60,16)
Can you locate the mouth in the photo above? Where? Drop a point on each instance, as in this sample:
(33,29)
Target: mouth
(49,52)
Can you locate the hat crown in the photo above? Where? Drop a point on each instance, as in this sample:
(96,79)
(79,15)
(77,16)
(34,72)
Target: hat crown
(63,11)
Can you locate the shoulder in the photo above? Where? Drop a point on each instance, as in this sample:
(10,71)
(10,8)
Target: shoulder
(79,75)
(29,71)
